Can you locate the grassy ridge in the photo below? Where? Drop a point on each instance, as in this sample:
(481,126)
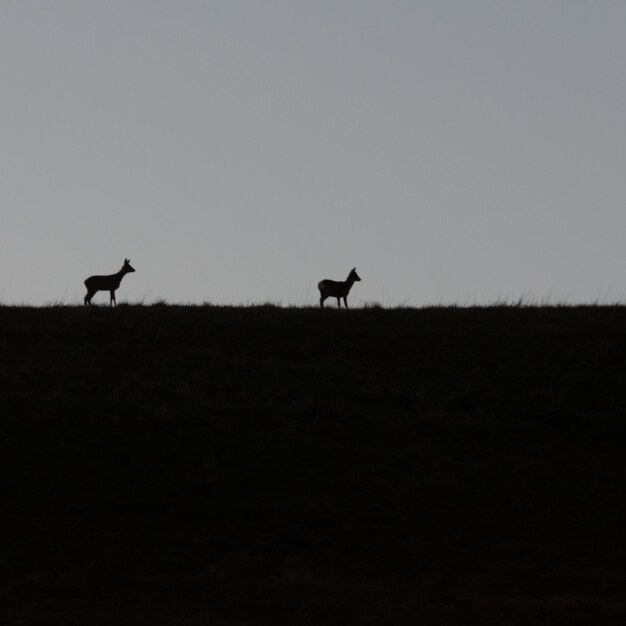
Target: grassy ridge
(296,466)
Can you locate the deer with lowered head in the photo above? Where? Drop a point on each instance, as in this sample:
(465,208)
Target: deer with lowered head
(106,283)
(337,288)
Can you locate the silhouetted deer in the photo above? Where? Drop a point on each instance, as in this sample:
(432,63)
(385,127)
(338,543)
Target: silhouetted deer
(106,283)
(337,289)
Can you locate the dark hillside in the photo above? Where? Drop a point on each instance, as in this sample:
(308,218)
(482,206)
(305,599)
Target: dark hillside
(207,465)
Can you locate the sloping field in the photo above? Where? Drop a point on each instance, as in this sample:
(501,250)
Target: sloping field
(209,465)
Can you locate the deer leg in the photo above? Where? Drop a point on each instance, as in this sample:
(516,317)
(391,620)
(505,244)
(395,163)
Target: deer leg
(339,302)
(88,297)
(322,298)
(345,301)
(113,303)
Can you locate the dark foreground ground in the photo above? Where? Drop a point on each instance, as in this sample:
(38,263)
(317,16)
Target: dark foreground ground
(200,465)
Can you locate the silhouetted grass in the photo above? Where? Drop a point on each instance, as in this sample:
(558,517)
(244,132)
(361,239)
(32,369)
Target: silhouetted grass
(262,465)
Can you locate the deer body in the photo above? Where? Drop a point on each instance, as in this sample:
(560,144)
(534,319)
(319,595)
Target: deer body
(106,283)
(337,289)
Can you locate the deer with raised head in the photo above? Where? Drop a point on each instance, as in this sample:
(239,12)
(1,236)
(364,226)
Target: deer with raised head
(337,288)
(106,283)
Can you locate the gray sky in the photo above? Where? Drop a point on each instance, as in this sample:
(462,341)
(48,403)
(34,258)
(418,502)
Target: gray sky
(240,151)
